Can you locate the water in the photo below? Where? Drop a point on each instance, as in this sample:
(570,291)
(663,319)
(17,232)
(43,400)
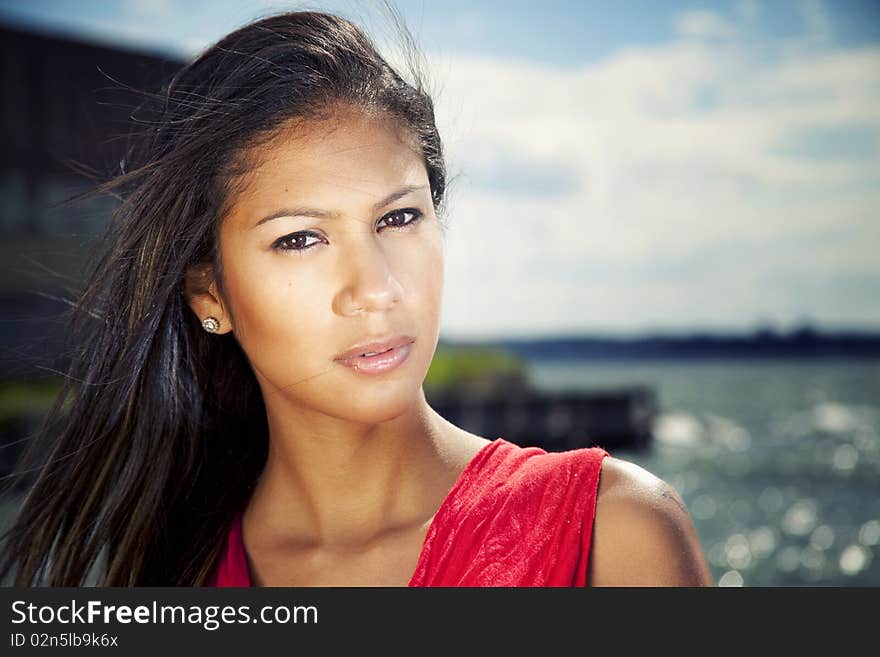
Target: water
(778,461)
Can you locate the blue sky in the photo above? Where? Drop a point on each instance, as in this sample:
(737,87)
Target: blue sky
(622,166)
(557,32)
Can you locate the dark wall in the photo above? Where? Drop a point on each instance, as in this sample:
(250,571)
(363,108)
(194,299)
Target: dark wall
(64,98)
(65,108)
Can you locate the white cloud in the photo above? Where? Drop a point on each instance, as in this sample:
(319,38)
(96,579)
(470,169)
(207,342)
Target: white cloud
(685,204)
(704,24)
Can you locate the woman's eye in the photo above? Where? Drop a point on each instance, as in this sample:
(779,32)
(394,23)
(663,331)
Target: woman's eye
(296,242)
(397,219)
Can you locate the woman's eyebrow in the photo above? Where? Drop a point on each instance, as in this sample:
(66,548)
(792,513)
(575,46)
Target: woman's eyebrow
(302,211)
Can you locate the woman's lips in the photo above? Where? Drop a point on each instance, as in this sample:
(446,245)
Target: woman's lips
(380,363)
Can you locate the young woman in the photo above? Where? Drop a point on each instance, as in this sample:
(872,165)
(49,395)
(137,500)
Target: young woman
(244,403)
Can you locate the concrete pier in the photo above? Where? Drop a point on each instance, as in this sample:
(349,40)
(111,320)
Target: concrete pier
(614,418)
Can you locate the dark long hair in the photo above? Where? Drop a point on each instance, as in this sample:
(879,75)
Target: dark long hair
(160,432)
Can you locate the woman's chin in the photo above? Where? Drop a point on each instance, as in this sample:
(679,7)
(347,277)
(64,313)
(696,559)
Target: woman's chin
(375,409)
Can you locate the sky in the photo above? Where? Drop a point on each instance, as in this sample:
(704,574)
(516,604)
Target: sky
(621,167)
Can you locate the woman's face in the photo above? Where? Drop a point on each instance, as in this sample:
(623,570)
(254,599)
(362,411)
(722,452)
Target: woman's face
(334,242)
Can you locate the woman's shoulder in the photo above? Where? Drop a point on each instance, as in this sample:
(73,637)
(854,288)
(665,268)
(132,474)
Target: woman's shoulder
(643,534)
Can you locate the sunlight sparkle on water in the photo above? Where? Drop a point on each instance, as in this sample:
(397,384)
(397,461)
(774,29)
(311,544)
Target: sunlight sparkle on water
(822,537)
(812,559)
(854,559)
(762,541)
(869,534)
(800,518)
(731,578)
(845,458)
(738,552)
(831,417)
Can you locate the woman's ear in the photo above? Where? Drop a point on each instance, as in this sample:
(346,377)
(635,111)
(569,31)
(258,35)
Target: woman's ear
(203,297)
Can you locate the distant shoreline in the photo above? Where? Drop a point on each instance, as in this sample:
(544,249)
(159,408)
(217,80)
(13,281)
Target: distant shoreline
(803,343)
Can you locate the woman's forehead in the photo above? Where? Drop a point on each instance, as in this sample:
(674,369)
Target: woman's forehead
(353,159)
(338,135)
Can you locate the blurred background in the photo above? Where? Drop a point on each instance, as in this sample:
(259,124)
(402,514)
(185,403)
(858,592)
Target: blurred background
(663,237)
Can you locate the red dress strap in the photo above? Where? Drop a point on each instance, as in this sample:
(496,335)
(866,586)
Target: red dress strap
(232,567)
(524,518)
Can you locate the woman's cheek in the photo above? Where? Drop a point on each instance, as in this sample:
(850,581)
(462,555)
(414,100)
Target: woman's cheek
(425,279)
(434,265)
(269,308)
(426,252)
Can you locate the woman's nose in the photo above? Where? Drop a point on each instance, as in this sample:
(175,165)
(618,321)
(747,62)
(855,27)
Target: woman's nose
(372,286)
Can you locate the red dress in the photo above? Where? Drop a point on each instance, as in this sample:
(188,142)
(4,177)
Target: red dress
(516,516)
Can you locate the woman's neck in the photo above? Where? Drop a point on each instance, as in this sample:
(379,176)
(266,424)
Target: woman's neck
(329,482)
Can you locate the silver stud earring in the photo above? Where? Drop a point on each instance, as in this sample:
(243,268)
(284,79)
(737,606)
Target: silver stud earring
(210,324)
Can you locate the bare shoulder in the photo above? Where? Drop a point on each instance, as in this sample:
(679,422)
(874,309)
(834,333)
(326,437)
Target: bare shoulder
(643,534)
